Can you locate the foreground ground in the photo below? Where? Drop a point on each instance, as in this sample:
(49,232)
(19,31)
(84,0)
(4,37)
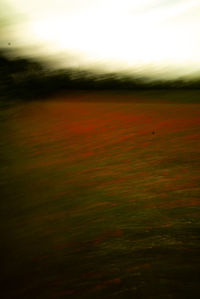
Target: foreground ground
(101,197)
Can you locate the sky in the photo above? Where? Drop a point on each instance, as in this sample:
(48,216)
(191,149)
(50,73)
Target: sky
(157,38)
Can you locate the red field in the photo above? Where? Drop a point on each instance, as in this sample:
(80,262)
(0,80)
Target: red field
(101,197)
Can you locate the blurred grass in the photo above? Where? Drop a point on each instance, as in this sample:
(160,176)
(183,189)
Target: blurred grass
(95,205)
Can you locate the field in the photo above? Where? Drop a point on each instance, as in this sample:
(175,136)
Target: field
(100,196)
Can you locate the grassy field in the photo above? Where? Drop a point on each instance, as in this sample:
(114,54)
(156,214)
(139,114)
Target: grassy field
(100,196)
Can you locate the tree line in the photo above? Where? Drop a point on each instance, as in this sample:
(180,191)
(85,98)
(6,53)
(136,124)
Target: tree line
(27,78)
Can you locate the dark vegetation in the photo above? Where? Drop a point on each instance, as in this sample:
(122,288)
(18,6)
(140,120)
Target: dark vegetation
(29,79)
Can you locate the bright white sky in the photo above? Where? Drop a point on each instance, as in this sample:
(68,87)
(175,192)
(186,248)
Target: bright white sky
(158,37)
